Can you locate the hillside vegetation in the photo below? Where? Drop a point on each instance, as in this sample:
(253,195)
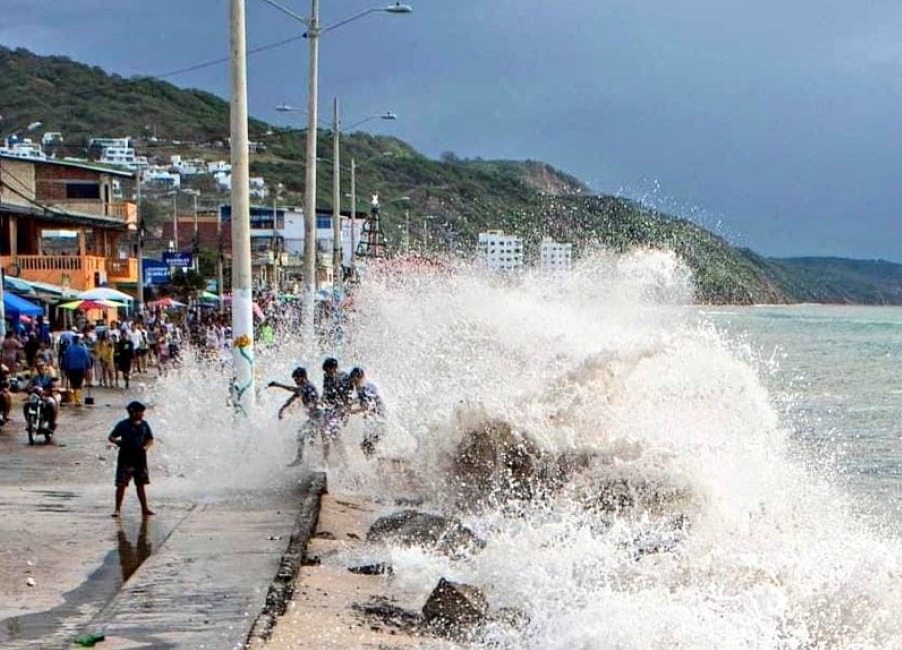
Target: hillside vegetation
(450,200)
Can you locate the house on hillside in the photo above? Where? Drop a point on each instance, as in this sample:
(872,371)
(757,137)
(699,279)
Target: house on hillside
(40,199)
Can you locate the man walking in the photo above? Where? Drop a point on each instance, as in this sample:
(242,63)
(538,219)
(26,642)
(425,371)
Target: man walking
(76,362)
(133,437)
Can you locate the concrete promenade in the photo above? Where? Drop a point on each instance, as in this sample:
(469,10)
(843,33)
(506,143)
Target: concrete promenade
(219,572)
(196,575)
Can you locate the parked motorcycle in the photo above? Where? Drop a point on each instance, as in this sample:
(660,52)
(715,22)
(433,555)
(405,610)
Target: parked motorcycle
(36,417)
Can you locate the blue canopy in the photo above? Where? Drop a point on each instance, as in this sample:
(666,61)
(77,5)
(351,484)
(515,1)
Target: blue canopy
(13,304)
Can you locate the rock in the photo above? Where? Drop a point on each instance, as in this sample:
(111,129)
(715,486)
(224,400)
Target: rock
(616,494)
(377,569)
(455,610)
(412,528)
(30,582)
(493,464)
(384,611)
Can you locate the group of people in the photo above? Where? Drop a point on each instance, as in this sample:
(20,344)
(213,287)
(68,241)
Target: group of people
(344,394)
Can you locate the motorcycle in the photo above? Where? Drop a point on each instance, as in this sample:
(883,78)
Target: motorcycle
(36,417)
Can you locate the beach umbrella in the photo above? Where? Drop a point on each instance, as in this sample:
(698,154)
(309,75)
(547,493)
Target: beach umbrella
(105,293)
(91,304)
(167,303)
(209,296)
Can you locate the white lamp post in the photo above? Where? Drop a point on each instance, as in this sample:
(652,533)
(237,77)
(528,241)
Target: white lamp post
(313,33)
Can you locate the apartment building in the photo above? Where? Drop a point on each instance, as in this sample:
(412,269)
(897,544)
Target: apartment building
(500,252)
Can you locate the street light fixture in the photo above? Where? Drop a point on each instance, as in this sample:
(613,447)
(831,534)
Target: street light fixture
(336,167)
(313,32)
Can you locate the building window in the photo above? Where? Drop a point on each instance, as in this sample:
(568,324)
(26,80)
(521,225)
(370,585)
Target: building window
(82,190)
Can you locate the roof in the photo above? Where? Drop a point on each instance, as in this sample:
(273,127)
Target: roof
(61,216)
(80,164)
(50,289)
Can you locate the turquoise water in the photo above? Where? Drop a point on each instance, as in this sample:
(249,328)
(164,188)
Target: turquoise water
(838,379)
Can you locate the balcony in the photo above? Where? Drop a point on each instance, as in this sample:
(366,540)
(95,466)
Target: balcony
(124,211)
(77,272)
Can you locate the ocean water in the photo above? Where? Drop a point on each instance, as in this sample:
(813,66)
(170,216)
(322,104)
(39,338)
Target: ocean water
(765,440)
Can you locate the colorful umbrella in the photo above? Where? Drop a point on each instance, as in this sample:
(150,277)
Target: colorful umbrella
(91,304)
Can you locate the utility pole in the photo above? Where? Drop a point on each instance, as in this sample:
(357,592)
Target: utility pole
(195,246)
(139,249)
(310,182)
(2,304)
(219,260)
(353,216)
(242,294)
(175,221)
(336,199)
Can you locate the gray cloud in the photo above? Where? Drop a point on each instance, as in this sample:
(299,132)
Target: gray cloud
(772,121)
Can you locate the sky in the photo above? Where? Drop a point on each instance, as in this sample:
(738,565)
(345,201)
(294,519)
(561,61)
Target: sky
(775,124)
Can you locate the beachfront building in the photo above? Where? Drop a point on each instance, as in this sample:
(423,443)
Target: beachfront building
(500,252)
(555,256)
(42,198)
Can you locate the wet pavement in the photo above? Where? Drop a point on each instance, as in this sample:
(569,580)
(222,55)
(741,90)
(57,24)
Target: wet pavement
(195,575)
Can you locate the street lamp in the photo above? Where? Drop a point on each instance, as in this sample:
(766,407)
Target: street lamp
(337,130)
(313,33)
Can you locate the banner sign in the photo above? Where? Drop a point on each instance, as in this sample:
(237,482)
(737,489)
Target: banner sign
(156,274)
(180,260)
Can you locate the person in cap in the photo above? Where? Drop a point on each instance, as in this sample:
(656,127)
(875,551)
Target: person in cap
(304,390)
(133,437)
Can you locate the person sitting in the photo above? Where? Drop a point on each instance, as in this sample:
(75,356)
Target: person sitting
(46,380)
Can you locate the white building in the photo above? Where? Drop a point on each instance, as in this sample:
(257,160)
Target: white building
(122,157)
(555,256)
(23,148)
(219,166)
(51,138)
(258,187)
(103,143)
(500,252)
(161,177)
(187,167)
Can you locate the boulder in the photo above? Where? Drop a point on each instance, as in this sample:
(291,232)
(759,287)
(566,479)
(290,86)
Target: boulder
(493,465)
(455,610)
(413,528)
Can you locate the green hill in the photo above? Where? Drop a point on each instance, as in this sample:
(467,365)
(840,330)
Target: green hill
(458,197)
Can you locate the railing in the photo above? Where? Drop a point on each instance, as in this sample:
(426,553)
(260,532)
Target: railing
(125,211)
(116,269)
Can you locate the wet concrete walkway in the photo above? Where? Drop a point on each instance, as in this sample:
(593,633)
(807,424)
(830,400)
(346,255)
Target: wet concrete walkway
(208,582)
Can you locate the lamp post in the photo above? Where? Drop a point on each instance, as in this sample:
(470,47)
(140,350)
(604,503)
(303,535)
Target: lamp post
(313,33)
(336,199)
(336,180)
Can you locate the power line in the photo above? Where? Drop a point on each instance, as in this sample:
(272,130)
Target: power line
(208,64)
